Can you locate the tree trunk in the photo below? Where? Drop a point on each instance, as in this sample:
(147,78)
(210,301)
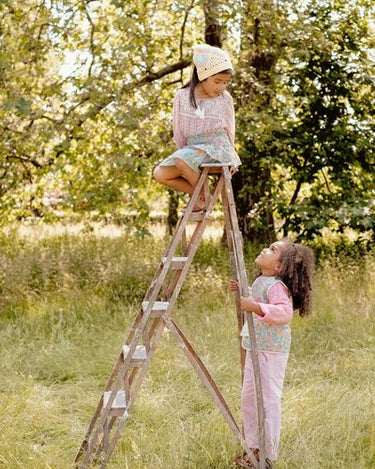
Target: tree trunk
(254,214)
(253,92)
(213,29)
(172,217)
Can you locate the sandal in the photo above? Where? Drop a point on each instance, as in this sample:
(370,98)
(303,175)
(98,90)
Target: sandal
(243,460)
(200,206)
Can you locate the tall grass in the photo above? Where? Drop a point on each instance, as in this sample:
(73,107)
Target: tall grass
(67,302)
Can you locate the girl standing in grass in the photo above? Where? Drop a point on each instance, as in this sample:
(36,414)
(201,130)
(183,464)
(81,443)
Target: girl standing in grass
(283,284)
(203,123)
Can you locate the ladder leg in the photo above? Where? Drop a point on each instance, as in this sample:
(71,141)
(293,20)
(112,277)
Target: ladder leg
(234,266)
(208,383)
(238,251)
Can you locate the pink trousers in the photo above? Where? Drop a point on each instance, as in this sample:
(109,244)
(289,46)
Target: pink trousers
(272,371)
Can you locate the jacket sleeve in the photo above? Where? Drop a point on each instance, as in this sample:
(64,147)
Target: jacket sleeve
(279,309)
(230,119)
(179,138)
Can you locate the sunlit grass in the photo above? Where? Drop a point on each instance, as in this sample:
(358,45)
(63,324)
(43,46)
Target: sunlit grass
(68,299)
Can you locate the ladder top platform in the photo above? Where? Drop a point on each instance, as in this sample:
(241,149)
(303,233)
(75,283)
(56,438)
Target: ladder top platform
(215,168)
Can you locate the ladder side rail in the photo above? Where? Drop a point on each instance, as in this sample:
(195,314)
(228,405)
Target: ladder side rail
(150,334)
(198,232)
(165,263)
(208,383)
(195,239)
(114,383)
(192,248)
(85,445)
(239,313)
(134,327)
(234,266)
(158,280)
(180,233)
(249,317)
(114,373)
(172,300)
(136,388)
(169,290)
(193,245)
(181,227)
(86,440)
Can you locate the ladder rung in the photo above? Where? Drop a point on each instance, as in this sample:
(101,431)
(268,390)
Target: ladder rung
(158,308)
(216,165)
(214,168)
(119,403)
(177,262)
(199,216)
(139,355)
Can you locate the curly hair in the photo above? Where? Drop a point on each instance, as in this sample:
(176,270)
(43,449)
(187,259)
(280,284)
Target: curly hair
(296,271)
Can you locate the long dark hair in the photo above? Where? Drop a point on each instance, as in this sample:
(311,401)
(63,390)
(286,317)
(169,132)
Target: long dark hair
(194,81)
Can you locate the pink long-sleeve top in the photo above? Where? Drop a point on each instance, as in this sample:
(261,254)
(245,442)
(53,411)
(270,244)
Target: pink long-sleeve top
(212,115)
(279,309)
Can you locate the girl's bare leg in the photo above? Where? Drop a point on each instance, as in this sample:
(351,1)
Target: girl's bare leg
(170,176)
(180,177)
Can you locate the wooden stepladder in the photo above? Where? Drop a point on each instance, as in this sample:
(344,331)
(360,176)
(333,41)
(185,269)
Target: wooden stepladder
(155,314)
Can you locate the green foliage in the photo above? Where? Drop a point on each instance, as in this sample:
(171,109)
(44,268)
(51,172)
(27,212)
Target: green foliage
(307,122)
(86,95)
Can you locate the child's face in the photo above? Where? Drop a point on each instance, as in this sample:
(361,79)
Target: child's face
(269,260)
(216,84)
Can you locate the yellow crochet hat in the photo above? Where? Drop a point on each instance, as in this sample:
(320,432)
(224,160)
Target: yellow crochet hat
(210,60)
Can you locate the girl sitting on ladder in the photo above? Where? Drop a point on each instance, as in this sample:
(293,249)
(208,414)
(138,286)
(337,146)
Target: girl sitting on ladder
(203,123)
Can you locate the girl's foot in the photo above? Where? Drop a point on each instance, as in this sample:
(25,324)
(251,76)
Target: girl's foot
(196,209)
(202,204)
(243,459)
(199,206)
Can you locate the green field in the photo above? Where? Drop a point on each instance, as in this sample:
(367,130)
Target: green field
(68,299)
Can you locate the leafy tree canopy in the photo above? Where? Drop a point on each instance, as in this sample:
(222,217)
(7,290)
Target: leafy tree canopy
(86,95)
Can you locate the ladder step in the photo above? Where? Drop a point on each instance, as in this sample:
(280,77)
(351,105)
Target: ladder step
(158,308)
(119,403)
(177,262)
(139,355)
(199,216)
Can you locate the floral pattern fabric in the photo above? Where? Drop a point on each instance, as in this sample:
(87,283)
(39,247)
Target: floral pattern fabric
(207,148)
(272,338)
